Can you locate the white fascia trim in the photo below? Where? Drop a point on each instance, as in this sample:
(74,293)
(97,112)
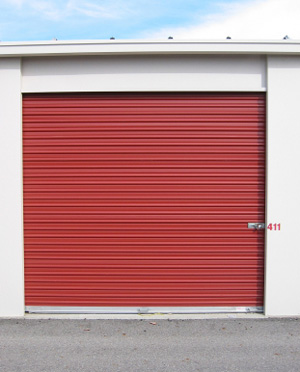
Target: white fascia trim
(99,47)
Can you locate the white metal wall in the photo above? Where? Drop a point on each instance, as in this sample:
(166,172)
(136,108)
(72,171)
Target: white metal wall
(280,76)
(147,74)
(11,214)
(283,186)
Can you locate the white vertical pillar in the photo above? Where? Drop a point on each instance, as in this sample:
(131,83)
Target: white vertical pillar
(283,187)
(11,215)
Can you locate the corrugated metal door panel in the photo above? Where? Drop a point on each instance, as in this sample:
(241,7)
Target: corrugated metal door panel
(143,199)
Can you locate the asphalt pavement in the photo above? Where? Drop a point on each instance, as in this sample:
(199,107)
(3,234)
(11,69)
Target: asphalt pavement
(52,345)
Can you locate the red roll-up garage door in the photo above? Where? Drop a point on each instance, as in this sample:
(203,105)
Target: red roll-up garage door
(143,200)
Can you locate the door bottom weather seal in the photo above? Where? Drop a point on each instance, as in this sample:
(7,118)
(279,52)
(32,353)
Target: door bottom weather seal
(140,310)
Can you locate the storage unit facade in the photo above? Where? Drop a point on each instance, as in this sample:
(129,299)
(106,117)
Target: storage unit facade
(145,177)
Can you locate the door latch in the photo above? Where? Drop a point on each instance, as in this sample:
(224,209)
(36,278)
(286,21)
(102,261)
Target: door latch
(256,225)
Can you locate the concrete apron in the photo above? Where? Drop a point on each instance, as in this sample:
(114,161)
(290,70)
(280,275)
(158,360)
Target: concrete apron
(157,316)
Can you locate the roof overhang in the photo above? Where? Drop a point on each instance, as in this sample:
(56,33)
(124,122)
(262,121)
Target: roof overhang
(140,47)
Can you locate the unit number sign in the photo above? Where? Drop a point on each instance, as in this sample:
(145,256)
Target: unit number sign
(274,227)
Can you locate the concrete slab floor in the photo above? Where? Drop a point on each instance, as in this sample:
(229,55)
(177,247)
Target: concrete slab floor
(244,342)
